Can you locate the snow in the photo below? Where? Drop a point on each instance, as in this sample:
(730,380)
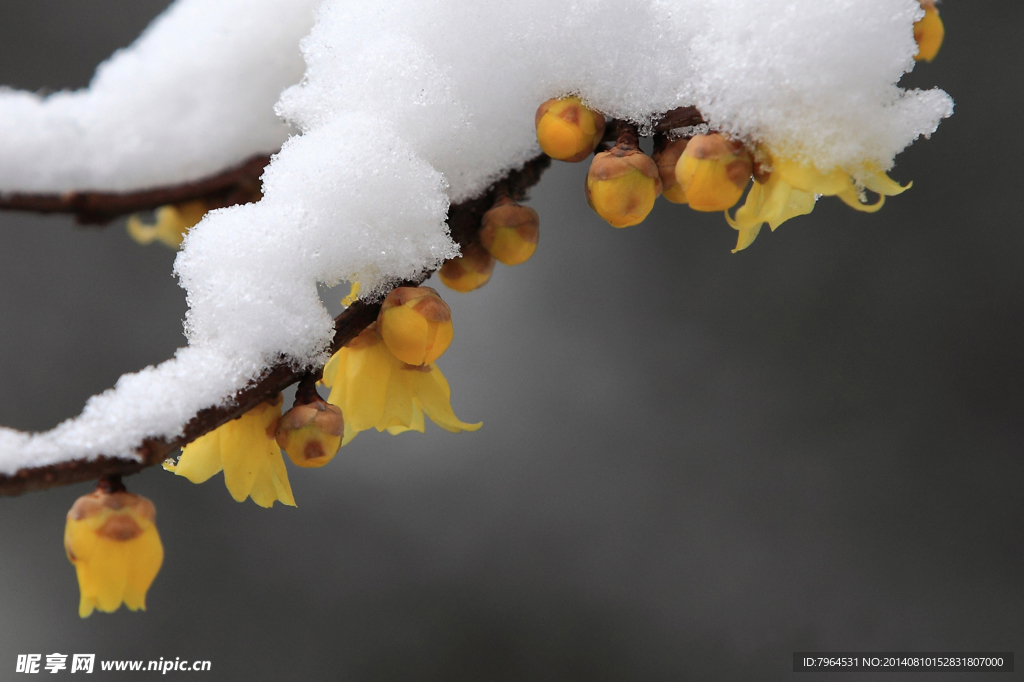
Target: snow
(193,95)
(403,108)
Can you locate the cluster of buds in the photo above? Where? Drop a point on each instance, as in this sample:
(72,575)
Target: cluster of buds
(508,234)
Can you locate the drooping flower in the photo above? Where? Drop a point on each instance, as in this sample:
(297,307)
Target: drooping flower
(791,188)
(567,130)
(246,450)
(416,324)
(111,539)
(172,224)
(374,389)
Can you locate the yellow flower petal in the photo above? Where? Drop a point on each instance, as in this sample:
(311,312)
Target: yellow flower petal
(433,394)
(200,459)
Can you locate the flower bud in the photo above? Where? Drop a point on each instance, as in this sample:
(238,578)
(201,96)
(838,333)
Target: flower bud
(928,32)
(666,158)
(713,172)
(111,539)
(415,324)
(469,271)
(509,232)
(622,185)
(567,130)
(311,433)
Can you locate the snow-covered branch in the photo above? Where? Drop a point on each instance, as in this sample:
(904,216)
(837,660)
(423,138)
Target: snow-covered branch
(405,113)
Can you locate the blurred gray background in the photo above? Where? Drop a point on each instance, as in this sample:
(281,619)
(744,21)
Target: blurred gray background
(692,464)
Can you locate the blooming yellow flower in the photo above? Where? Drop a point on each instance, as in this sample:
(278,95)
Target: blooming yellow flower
(791,189)
(112,541)
(374,389)
(246,449)
(172,223)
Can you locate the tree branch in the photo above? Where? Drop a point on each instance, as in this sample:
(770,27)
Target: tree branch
(463,221)
(238,185)
(234,186)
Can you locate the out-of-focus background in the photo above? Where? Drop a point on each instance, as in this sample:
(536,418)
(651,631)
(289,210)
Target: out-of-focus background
(692,464)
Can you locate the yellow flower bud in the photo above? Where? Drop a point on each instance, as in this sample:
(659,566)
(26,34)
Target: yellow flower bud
(567,130)
(509,231)
(713,172)
(111,539)
(415,324)
(470,271)
(172,224)
(928,32)
(622,185)
(311,433)
(666,159)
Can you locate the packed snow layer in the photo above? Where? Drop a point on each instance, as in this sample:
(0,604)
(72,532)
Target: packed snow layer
(406,106)
(192,96)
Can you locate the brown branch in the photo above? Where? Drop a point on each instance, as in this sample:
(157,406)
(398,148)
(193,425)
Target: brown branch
(238,185)
(682,117)
(463,221)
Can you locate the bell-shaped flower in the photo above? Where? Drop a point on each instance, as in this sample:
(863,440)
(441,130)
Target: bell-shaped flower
(246,450)
(374,389)
(791,188)
(111,539)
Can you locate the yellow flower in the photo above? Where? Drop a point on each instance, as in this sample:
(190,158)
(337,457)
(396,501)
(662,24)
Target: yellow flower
(416,324)
(172,223)
(928,32)
(791,189)
(112,541)
(374,389)
(567,130)
(246,449)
